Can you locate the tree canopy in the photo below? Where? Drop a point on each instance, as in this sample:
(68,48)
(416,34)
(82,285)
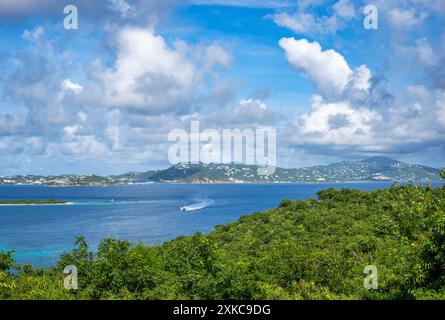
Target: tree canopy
(311,249)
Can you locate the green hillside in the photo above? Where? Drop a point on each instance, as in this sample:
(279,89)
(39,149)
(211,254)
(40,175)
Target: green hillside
(134,177)
(372,169)
(314,249)
(208,172)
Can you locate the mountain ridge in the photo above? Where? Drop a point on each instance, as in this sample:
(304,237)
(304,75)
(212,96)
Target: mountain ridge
(370,169)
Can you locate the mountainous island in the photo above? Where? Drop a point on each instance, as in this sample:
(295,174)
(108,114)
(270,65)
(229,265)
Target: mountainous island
(371,169)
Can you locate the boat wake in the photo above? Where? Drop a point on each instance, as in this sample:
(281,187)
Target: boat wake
(200,204)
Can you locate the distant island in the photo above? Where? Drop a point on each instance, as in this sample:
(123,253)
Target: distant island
(371,169)
(31,202)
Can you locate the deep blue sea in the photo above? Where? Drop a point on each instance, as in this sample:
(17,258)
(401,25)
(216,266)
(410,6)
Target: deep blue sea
(146,213)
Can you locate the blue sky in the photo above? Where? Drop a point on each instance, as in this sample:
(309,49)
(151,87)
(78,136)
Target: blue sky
(103,98)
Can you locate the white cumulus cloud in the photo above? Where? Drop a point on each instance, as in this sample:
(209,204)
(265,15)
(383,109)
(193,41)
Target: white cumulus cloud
(305,20)
(337,124)
(147,72)
(328,70)
(67,84)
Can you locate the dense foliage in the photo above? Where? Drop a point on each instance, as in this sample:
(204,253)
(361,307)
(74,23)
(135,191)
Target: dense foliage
(314,249)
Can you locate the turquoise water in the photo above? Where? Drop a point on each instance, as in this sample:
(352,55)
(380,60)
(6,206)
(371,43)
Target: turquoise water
(147,213)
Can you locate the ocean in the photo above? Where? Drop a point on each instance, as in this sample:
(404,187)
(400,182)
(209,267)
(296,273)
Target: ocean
(150,214)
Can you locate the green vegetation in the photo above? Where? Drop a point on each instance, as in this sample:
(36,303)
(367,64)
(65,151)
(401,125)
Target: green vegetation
(314,249)
(66,180)
(31,202)
(372,169)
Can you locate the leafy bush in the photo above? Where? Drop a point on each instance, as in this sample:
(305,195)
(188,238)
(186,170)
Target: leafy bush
(314,249)
(285,203)
(6,260)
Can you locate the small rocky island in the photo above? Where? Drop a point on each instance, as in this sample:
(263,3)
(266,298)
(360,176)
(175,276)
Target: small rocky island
(31,202)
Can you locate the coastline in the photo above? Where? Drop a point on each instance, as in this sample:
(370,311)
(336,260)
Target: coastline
(219,183)
(169,231)
(36,204)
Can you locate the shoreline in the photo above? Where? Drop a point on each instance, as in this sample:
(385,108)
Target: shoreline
(35,204)
(219,183)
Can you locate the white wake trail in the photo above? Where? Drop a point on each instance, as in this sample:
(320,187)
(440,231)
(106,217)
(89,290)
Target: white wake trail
(201,204)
